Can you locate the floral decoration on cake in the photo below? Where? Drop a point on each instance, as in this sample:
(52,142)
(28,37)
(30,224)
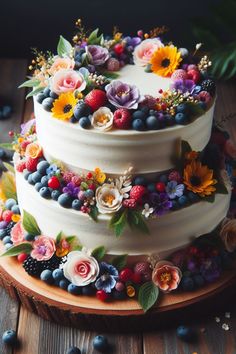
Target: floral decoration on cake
(80,84)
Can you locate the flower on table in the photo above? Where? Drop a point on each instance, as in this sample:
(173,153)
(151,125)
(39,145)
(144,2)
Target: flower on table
(107,277)
(166,276)
(61,63)
(71,189)
(80,268)
(147,211)
(199,179)
(161,203)
(63,106)
(102,119)
(122,95)
(108,198)
(144,51)
(173,189)
(43,248)
(67,80)
(165,60)
(97,55)
(17,233)
(100,176)
(183,85)
(228,234)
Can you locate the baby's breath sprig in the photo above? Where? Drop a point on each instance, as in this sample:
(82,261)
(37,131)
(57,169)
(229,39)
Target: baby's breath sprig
(81,33)
(204,63)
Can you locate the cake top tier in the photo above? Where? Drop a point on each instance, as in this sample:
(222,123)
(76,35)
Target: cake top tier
(121,82)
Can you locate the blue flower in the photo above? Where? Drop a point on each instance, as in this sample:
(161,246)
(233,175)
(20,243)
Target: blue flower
(107,277)
(173,189)
(51,170)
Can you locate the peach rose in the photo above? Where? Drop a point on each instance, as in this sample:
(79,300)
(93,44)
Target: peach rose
(166,276)
(67,80)
(33,150)
(61,63)
(17,233)
(43,248)
(230,148)
(144,51)
(228,234)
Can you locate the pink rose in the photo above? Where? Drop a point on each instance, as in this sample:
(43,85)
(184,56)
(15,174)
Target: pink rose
(144,51)
(17,233)
(67,80)
(43,248)
(230,148)
(61,63)
(166,276)
(80,268)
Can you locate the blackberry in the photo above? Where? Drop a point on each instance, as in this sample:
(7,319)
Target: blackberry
(52,263)
(209,86)
(32,266)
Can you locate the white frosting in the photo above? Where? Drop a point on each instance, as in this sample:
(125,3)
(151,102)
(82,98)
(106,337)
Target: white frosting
(169,232)
(115,150)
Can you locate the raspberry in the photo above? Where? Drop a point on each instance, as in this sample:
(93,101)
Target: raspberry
(137,192)
(67,176)
(96,99)
(76,180)
(6,215)
(142,268)
(21,166)
(130,203)
(175,176)
(31,164)
(122,118)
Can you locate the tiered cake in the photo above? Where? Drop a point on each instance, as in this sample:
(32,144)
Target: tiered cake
(121,144)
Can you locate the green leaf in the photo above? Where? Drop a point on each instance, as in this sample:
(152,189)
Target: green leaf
(71,239)
(119,261)
(30,224)
(136,220)
(59,237)
(148,295)
(9,167)
(94,38)
(8,185)
(118,225)
(7,146)
(110,74)
(15,250)
(99,253)
(30,83)
(64,48)
(35,91)
(94,213)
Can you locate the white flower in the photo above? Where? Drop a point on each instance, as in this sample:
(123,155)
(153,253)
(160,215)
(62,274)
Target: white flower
(108,198)
(217,319)
(225,326)
(147,211)
(80,268)
(198,46)
(102,119)
(227,314)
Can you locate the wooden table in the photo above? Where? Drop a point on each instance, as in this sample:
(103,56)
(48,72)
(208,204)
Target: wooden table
(42,337)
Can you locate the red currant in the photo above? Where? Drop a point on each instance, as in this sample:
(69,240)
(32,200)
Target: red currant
(126,274)
(102,295)
(89,175)
(118,49)
(6,215)
(160,187)
(22,257)
(54,182)
(11,133)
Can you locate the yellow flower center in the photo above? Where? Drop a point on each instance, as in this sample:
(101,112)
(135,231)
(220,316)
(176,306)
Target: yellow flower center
(165,277)
(109,199)
(104,118)
(122,93)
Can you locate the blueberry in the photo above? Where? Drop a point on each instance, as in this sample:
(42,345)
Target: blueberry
(144,109)
(82,110)
(198,280)
(152,112)
(152,123)
(88,290)
(193,197)
(47,104)
(89,193)
(163,179)
(77,204)
(6,111)
(183,200)
(8,246)
(36,177)
(181,108)
(9,337)
(140,181)
(100,343)
(139,115)
(6,239)
(180,118)
(138,124)
(44,181)
(45,192)
(3,233)
(65,200)
(53,95)
(85,122)
(46,91)
(46,276)
(26,174)
(187,283)
(15,209)
(202,105)
(73,350)
(119,295)
(58,274)
(29,237)
(55,194)
(73,120)
(40,97)
(185,333)
(160,116)
(73,289)
(9,203)
(175,205)
(169,119)
(38,186)
(42,167)
(151,187)
(30,179)
(63,284)
(2,154)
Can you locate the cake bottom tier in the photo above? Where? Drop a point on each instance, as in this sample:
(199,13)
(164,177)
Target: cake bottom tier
(167,233)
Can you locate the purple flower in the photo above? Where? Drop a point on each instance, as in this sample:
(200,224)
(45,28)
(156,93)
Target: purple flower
(132,41)
(210,270)
(183,85)
(97,55)
(25,127)
(122,95)
(107,277)
(71,189)
(173,189)
(160,202)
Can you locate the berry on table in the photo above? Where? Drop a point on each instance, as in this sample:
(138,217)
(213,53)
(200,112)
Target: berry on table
(73,350)
(15,209)
(28,237)
(102,295)
(126,274)
(140,180)
(122,118)
(58,274)
(6,240)
(21,166)
(10,203)
(138,124)
(32,266)
(36,177)
(46,92)
(118,48)
(82,110)
(209,86)
(129,203)
(9,337)
(96,99)
(54,182)
(88,290)
(40,97)
(183,200)
(100,343)
(73,289)
(181,108)
(187,283)
(180,118)
(139,114)
(194,75)
(77,204)
(55,194)
(160,187)
(38,186)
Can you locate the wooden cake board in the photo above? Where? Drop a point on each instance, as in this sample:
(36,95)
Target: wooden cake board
(55,304)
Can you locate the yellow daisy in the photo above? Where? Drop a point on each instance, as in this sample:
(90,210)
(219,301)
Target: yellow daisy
(165,60)
(63,106)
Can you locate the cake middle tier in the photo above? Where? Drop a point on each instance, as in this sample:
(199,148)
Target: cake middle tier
(114,151)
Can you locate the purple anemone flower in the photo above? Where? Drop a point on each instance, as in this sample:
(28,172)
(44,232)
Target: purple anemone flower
(107,277)
(160,202)
(97,55)
(132,41)
(122,95)
(71,189)
(183,85)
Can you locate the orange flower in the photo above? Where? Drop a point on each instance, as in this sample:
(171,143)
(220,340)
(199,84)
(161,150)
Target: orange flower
(165,60)
(199,179)
(33,150)
(192,155)
(63,248)
(166,276)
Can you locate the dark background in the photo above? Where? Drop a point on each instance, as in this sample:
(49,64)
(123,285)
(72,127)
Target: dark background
(29,23)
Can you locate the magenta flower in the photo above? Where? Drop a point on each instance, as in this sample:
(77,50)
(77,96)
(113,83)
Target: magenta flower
(43,248)
(122,95)
(97,55)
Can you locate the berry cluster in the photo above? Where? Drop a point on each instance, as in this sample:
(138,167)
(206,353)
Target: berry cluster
(9,216)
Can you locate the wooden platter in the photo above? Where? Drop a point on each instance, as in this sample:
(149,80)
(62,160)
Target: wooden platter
(55,304)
